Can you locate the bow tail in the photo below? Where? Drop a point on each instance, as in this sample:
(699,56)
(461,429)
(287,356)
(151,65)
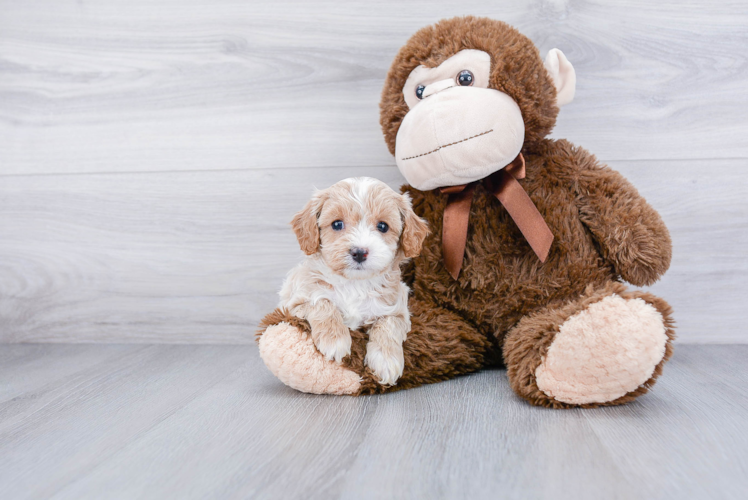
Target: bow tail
(455,227)
(524,213)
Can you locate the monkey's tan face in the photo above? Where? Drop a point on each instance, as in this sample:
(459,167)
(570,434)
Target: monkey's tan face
(457,130)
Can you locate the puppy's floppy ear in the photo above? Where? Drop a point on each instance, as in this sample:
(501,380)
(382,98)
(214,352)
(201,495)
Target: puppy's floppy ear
(415,229)
(305,226)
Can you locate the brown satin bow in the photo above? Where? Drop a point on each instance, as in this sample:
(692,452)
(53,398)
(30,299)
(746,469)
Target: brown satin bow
(502,184)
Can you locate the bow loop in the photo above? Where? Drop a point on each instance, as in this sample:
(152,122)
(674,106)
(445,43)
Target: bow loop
(517,167)
(453,189)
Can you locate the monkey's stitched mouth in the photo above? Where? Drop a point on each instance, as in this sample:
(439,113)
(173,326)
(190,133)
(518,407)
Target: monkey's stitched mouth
(447,145)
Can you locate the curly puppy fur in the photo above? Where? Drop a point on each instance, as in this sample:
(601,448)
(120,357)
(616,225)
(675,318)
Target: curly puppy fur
(507,306)
(356,235)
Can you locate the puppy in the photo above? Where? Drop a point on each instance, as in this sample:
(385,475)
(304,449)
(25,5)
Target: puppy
(356,234)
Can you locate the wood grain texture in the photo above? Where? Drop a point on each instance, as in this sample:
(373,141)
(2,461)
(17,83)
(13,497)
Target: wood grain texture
(212,422)
(171,257)
(152,153)
(199,257)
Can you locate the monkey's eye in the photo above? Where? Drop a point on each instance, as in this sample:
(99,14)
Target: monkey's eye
(383,227)
(419,91)
(465,78)
(338,225)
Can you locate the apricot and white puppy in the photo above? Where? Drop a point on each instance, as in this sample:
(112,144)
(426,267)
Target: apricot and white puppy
(355,234)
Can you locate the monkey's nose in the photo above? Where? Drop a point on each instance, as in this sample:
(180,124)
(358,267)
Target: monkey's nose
(359,254)
(435,87)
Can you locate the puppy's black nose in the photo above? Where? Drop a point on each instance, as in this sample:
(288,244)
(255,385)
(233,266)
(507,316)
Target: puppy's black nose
(359,254)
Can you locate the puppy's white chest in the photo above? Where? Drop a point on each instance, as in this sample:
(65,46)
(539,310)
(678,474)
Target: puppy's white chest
(360,303)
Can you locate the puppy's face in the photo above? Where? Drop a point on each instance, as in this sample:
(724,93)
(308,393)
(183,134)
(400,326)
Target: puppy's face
(360,227)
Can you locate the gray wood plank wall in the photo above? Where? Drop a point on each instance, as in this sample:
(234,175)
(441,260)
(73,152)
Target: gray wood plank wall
(152,152)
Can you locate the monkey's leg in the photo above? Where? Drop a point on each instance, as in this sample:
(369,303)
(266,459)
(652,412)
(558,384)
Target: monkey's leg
(604,348)
(440,346)
(287,348)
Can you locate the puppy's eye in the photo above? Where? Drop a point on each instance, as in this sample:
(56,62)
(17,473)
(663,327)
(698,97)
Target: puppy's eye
(338,225)
(419,91)
(465,78)
(383,227)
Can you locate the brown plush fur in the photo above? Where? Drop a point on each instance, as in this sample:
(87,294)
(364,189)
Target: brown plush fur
(507,305)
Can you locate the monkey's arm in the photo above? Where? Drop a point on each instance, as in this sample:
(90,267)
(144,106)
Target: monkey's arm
(630,233)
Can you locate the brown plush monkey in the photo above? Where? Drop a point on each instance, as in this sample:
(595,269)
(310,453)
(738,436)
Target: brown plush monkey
(531,237)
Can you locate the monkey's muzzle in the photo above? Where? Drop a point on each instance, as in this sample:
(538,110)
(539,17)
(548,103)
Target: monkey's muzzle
(458,135)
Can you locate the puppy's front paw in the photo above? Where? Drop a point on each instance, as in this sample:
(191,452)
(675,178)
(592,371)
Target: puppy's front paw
(386,362)
(334,345)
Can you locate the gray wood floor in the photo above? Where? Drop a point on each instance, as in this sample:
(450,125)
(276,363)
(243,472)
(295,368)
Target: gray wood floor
(152,152)
(169,421)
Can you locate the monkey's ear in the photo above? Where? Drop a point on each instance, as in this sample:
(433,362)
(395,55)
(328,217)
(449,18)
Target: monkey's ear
(305,226)
(563,75)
